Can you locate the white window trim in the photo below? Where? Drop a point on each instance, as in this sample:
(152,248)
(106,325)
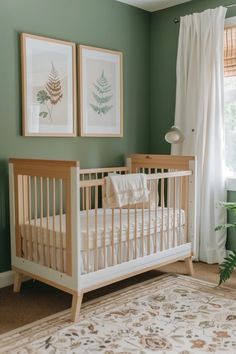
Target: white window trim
(231,184)
(230,21)
(230,181)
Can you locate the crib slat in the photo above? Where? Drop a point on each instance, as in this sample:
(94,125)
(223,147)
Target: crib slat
(104,238)
(26,196)
(83,194)
(174,212)
(168,213)
(104,227)
(135,232)
(96,228)
(30,216)
(60,225)
(87,227)
(149,219)
(112,236)
(41,221)
(47,222)
(142,229)
(90,194)
(120,241)
(35,218)
(156,220)
(68,211)
(24,218)
(54,224)
(18,215)
(128,234)
(186,209)
(180,203)
(162,212)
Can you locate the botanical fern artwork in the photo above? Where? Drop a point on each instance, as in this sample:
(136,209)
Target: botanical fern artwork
(102,96)
(51,95)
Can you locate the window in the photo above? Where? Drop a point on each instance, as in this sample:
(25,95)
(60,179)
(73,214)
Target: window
(230,99)
(230,124)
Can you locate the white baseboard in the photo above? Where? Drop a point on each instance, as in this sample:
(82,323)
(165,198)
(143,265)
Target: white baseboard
(7,278)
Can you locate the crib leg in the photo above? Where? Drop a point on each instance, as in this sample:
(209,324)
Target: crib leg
(76,305)
(17,282)
(189,265)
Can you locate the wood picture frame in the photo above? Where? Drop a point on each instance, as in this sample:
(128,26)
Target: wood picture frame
(101,92)
(49,98)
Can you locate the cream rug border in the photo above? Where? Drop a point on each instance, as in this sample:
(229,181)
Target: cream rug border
(219,291)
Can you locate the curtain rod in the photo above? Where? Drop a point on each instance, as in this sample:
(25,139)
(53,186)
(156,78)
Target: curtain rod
(177,20)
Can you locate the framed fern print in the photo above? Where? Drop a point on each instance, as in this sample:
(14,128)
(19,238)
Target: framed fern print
(48,86)
(101,92)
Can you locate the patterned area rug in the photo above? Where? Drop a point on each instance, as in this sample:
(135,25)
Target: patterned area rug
(170,314)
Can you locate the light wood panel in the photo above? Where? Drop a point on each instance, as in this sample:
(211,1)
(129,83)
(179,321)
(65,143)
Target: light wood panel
(38,186)
(160,161)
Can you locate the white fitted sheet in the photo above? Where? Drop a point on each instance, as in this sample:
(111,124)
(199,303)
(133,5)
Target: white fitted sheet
(165,227)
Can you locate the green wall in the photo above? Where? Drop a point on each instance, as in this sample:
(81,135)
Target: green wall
(164,42)
(231,240)
(149,44)
(102,23)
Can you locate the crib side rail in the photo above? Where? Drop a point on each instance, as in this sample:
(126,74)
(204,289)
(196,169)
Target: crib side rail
(101,182)
(103,171)
(41,212)
(94,175)
(118,235)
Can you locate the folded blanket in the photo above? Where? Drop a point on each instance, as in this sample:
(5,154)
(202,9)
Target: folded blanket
(121,190)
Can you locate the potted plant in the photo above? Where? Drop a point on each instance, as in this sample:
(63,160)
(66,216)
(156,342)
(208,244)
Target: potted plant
(229,263)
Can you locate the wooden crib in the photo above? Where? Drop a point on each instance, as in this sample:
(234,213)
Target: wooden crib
(61,233)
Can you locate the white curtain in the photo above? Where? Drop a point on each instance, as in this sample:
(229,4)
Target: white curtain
(199,114)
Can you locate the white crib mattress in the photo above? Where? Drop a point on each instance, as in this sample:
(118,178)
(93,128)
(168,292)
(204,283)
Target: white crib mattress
(164,222)
(164,233)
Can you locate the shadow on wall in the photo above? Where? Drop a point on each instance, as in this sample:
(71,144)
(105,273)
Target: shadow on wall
(4,217)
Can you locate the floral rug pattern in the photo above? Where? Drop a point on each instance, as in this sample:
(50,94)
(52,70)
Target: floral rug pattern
(168,315)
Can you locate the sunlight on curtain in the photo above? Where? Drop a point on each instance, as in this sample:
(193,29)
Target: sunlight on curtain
(230,100)
(199,115)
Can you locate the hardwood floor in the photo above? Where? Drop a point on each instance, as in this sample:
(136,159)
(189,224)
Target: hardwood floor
(37,300)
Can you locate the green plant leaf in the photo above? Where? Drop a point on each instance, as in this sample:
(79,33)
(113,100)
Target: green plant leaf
(101,96)
(228,206)
(227,267)
(229,263)
(99,89)
(105,109)
(95,108)
(43,114)
(101,100)
(224,226)
(53,86)
(42,96)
